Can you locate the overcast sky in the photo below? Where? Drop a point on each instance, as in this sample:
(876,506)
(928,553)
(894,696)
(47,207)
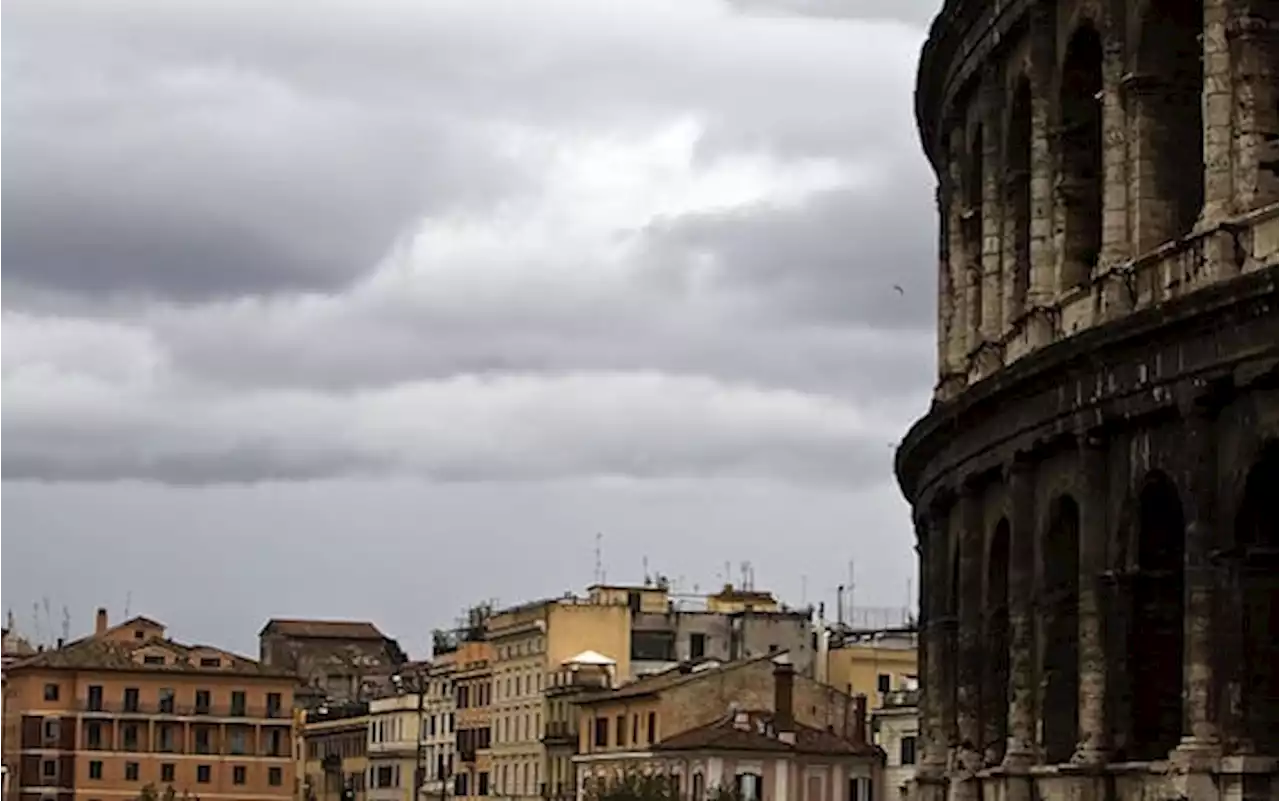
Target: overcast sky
(345,308)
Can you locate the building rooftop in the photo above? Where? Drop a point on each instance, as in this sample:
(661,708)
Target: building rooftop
(323,629)
(756,731)
(589,658)
(671,678)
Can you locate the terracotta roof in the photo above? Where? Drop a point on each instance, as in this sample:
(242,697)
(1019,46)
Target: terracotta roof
(97,653)
(754,731)
(323,629)
(670,678)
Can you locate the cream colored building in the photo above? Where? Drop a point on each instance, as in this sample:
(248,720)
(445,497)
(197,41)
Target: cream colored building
(530,642)
(405,728)
(873,663)
(895,727)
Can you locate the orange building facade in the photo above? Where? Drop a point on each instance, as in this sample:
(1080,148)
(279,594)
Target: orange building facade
(107,715)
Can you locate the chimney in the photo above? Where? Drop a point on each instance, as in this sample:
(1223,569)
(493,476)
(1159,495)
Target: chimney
(100,625)
(784,680)
(860,719)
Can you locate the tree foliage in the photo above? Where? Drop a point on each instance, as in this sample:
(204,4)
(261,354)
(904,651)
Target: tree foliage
(652,787)
(150,793)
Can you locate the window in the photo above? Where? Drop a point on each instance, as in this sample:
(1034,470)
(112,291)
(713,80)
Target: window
(129,736)
(153,659)
(202,702)
(653,727)
(51,692)
(166,700)
(620,731)
(237,703)
(167,772)
(95,769)
(203,772)
(130,699)
(274,703)
(139,634)
(699,787)
(382,778)
(460,784)
(907,751)
(275,777)
(884,682)
(131,771)
(164,733)
(748,786)
(697,645)
(93,735)
(203,742)
(236,741)
(239,774)
(95,698)
(52,727)
(210,661)
(635,729)
(602,733)
(860,789)
(482,783)
(49,768)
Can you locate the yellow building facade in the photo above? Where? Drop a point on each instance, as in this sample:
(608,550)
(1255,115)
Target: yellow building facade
(874,664)
(530,643)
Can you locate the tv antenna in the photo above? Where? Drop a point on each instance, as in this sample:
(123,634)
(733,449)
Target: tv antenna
(599,558)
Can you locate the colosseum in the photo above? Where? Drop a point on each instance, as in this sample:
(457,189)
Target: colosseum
(1094,486)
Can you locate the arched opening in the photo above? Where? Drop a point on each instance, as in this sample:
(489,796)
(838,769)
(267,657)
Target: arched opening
(995,697)
(1155,652)
(972,227)
(1256,535)
(1079,180)
(1060,612)
(1168,122)
(1018,195)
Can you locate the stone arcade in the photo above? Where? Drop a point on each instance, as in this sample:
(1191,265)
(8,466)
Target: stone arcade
(1094,486)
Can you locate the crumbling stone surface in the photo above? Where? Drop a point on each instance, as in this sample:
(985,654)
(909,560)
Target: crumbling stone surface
(1098,556)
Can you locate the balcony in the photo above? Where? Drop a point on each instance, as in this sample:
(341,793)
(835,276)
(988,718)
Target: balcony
(154,708)
(559,733)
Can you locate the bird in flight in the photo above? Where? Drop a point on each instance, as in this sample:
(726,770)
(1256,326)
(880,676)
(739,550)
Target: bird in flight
(899,289)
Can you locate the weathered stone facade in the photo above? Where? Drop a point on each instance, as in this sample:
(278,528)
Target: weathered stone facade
(1092,488)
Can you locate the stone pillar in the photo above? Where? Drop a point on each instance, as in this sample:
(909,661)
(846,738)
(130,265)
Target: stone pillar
(1020,751)
(1200,729)
(991,108)
(1042,288)
(946,297)
(957,258)
(968,756)
(1093,745)
(931,537)
(1115,188)
(1219,100)
(1251,39)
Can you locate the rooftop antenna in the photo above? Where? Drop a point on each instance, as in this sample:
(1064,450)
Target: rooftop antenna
(66,624)
(744,567)
(644,566)
(599,558)
(728,573)
(128,602)
(849,596)
(35,621)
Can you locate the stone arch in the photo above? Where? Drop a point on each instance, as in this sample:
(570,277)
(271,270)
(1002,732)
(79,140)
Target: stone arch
(1256,544)
(995,700)
(1079,182)
(974,171)
(1018,195)
(1164,93)
(1060,569)
(1157,614)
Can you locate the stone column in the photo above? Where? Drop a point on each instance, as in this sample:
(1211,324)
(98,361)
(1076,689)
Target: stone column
(959,272)
(1200,729)
(1042,287)
(932,544)
(1020,751)
(968,754)
(1251,41)
(1093,745)
(946,296)
(1219,100)
(991,108)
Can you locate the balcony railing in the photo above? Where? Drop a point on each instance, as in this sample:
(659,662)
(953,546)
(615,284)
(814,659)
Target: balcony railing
(118,707)
(559,732)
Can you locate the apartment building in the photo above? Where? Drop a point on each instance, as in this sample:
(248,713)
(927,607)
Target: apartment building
(472,677)
(728,625)
(126,707)
(873,663)
(584,673)
(895,727)
(335,752)
(753,726)
(529,642)
(393,747)
(335,660)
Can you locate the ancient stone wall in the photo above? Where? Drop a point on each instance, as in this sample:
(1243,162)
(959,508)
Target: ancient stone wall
(1098,562)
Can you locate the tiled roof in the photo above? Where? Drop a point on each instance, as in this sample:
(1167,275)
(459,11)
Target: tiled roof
(754,731)
(327,629)
(97,653)
(670,678)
